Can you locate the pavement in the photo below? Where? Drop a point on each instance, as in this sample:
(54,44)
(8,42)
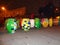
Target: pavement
(43,36)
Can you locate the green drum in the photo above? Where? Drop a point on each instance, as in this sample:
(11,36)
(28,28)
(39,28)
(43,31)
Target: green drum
(37,23)
(50,22)
(11,25)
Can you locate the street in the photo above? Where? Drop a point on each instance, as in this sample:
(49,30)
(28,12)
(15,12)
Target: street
(43,36)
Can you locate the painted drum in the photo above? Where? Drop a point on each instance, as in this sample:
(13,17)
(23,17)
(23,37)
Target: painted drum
(55,22)
(11,25)
(50,22)
(44,22)
(58,17)
(26,24)
(37,23)
(32,23)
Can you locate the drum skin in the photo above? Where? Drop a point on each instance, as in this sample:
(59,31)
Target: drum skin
(50,22)
(37,23)
(11,25)
(55,22)
(32,23)
(26,24)
(44,22)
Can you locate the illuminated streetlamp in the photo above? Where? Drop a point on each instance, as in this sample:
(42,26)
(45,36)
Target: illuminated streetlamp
(3,8)
(3,11)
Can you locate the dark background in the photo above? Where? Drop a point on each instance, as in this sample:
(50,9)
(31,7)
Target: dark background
(32,5)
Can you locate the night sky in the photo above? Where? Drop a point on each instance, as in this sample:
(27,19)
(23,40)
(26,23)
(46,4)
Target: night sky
(31,5)
(11,4)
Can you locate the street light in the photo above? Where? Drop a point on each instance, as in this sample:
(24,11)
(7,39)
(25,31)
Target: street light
(3,8)
(3,11)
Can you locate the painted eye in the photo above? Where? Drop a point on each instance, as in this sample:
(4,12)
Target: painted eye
(24,25)
(28,22)
(14,20)
(26,28)
(25,21)
(12,28)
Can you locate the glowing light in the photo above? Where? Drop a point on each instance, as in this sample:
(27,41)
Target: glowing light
(58,17)
(57,9)
(3,8)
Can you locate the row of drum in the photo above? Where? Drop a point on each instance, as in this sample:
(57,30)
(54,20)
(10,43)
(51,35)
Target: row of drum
(26,23)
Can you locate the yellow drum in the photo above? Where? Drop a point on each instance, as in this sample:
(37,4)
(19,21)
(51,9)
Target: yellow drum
(50,22)
(44,22)
(26,24)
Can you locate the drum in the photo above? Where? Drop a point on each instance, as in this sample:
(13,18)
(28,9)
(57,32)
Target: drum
(26,24)
(37,23)
(32,23)
(55,22)
(11,25)
(50,22)
(44,22)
